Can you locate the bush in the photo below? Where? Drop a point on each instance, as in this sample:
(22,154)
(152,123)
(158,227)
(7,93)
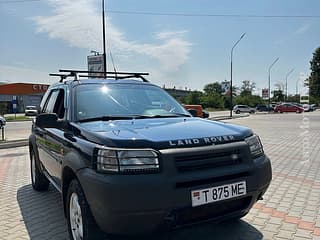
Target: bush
(213,100)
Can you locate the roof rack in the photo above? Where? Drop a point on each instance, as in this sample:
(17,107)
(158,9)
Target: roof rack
(63,76)
(115,75)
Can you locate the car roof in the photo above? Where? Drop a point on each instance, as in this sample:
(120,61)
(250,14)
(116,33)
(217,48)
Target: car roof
(102,81)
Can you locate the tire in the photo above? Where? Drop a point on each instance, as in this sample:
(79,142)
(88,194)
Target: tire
(238,112)
(81,224)
(38,179)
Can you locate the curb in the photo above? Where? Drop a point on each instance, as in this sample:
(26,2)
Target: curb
(227,117)
(14,143)
(24,120)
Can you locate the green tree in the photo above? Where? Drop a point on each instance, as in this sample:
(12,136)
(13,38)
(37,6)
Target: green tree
(278,96)
(294,98)
(250,100)
(313,81)
(247,88)
(3,108)
(213,100)
(212,88)
(194,97)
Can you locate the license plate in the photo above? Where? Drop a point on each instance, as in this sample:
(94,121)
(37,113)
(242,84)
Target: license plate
(215,194)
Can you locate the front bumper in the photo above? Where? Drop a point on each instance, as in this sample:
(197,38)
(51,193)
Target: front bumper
(30,113)
(136,204)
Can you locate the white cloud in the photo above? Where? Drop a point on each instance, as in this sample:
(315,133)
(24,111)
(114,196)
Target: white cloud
(79,23)
(20,74)
(299,31)
(169,34)
(302,29)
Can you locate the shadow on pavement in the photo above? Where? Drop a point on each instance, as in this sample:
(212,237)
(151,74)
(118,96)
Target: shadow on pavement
(44,219)
(228,230)
(42,213)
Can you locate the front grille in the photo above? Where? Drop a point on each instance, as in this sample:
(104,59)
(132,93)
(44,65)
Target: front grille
(211,211)
(211,180)
(207,160)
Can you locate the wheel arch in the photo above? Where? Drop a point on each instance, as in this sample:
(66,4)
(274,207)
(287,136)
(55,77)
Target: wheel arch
(33,146)
(67,176)
(73,161)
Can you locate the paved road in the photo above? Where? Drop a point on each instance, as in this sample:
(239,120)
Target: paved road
(17,130)
(290,209)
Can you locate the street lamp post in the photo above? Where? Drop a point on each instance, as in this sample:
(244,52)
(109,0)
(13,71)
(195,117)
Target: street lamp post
(269,80)
(287,82)
(104,41)
(297,87)
(231,93)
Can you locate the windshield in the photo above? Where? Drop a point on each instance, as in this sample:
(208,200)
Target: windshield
(131,100)
(31,108)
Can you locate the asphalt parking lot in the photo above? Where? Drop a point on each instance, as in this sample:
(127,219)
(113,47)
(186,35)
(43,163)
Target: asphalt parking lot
(290,209)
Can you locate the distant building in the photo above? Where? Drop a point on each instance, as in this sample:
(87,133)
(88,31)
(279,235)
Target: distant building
(178,94)
(25,93)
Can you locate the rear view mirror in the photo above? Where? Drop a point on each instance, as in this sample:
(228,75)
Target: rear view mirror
(47,120)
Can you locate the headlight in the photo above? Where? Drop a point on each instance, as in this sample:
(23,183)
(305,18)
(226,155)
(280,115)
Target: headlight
(255,146)
(127,161)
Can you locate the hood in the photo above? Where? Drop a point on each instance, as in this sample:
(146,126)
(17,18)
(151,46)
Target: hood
(161,133)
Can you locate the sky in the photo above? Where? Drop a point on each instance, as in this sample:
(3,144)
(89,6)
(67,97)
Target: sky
(182,44)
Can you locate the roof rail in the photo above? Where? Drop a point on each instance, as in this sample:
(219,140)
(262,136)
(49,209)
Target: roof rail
(64,76)
(115,75)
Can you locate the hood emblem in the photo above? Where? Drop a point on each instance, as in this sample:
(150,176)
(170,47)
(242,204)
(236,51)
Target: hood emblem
(202,141)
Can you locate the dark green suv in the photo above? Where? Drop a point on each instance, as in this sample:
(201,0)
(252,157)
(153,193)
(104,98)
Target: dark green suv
(128,159)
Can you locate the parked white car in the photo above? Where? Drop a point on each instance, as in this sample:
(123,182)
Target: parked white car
(243,109)
(307,108)
(31,111)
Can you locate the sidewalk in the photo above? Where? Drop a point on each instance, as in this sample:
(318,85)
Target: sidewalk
(16,134)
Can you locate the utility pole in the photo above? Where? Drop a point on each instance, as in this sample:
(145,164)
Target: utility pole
(104,41)
(231,93)
(269,80)
(287,82)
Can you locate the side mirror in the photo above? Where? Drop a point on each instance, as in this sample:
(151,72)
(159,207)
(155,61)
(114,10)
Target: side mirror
(193,112)
(47,120)
(205,114)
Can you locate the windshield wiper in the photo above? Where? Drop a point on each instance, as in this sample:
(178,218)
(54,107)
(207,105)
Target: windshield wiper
(106,118)
(131,117)
(173,115)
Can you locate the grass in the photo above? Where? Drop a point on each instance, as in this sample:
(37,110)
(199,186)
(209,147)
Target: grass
(17,118)
(216,109)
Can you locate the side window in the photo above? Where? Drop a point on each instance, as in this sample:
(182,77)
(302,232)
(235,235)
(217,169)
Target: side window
(55,103)
(48,108)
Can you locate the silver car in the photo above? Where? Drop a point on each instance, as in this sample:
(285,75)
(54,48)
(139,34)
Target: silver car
(31,111)
(243,109)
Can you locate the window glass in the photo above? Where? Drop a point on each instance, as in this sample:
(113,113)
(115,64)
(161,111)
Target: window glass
(51,101)
(97,100)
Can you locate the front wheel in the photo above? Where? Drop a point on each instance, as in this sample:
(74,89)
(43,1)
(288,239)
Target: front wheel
(238,112)
(38,180)
(81,224)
